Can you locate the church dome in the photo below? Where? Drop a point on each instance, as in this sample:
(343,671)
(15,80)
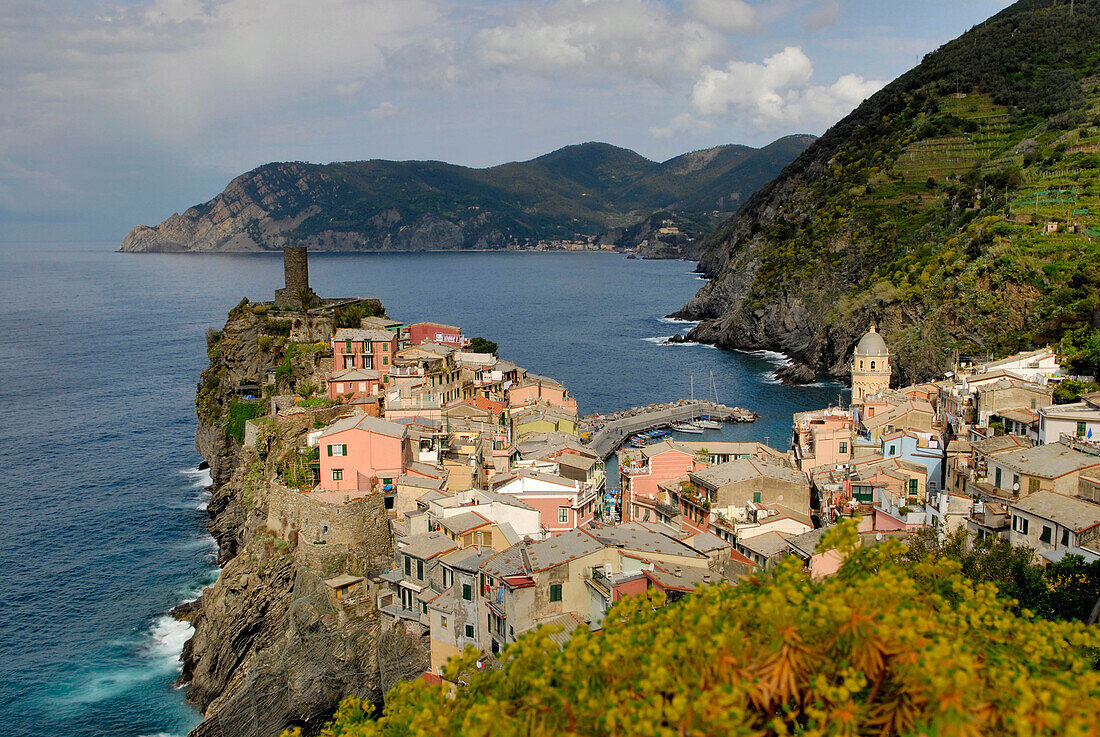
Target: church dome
(872,344)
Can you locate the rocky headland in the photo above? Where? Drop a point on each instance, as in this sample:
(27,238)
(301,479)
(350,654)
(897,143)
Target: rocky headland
(273,647)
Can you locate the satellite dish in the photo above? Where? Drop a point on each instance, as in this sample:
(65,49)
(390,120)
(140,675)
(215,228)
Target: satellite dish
(1015,487)
(878,536)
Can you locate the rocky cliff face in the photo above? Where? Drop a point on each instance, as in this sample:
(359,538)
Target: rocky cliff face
(272,646)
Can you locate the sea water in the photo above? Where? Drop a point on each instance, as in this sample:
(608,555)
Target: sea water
(102,500)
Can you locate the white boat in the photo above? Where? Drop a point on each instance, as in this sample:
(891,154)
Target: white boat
(708,424)
(687,427)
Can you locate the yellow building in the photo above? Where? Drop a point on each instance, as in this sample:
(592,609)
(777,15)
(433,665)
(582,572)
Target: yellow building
(870,367)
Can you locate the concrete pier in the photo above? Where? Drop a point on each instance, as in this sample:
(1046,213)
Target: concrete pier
(613,433)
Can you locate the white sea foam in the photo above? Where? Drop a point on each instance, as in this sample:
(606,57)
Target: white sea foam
(167,639)
(201,476)
(160,652)
(678,321)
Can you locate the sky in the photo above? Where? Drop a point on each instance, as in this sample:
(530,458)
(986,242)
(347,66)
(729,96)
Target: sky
(119,113)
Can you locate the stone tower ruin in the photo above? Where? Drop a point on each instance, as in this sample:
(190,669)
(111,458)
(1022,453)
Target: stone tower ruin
(295,274)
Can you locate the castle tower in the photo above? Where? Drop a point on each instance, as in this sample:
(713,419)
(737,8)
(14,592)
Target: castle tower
(295,275)
(870,366)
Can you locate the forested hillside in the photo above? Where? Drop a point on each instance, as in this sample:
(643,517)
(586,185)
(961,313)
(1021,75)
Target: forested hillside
(959,208)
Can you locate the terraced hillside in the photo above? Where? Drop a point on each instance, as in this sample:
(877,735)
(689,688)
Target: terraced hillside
(959,208)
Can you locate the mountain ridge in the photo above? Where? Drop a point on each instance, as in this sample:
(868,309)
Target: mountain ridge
(583,190)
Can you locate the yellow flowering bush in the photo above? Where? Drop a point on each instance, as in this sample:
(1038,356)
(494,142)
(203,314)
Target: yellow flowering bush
(881,648)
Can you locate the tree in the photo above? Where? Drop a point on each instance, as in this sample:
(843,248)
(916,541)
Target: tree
(884,647)
(306,298)
(483,345)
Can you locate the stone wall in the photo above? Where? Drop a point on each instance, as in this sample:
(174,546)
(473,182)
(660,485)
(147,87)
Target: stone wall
(361,527)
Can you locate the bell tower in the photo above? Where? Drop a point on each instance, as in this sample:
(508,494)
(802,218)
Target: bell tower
(870,366)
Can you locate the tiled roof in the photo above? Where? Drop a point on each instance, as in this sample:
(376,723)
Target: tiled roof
(373,335)
(1070,512)
(367,423)
(427,545)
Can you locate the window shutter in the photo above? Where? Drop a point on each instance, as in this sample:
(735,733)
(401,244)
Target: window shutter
(330,450)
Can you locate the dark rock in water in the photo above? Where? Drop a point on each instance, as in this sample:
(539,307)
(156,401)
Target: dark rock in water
(186,611)
(796,373)
(678,338)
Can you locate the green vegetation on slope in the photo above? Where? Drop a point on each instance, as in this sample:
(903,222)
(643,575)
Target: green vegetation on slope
(963,200)
(883,647)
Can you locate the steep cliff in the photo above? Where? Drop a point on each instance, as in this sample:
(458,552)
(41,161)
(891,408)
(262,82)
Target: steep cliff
(379,205)
(957,208)
(273,648)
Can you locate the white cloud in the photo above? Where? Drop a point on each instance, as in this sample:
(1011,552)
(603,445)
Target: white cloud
(635,37)
(176,66)
(731,16)
(682,123)
(777,91)
(826,14)
(382,110)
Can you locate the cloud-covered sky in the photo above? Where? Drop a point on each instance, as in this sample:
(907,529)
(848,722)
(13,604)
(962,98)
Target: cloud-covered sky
(118,112)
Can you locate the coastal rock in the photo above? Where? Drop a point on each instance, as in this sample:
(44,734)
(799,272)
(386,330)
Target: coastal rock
(796,373)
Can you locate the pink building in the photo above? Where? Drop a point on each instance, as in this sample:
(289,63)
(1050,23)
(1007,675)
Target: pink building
(360,451)
(364,349)
(823,438)
(563,504)
(533,389)
(434,332)
(354,382)
(641,473)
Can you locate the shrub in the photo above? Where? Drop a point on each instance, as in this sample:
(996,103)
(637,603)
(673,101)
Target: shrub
(265,342)
(882,647)
(240,413)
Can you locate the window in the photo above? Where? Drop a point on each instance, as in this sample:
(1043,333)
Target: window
(1080,429)
(861,363)
(408,566)
(366,346)
(347,346)
(843,448)
(563,515)
(1019,524)
(893,450)
(997,478)
(420,569)
(1065,538)
(469,630)
(555,592)
(912,487)
(872,365)
(448,578)
(339,390)
(338,449)
(756,497)
(1015,482)
(385,360)
(1047,534)
(337,474)
(387,482)
(1032,485)
(467,592)
(443,621)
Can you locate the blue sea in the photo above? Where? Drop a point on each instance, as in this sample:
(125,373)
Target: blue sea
(102,502)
